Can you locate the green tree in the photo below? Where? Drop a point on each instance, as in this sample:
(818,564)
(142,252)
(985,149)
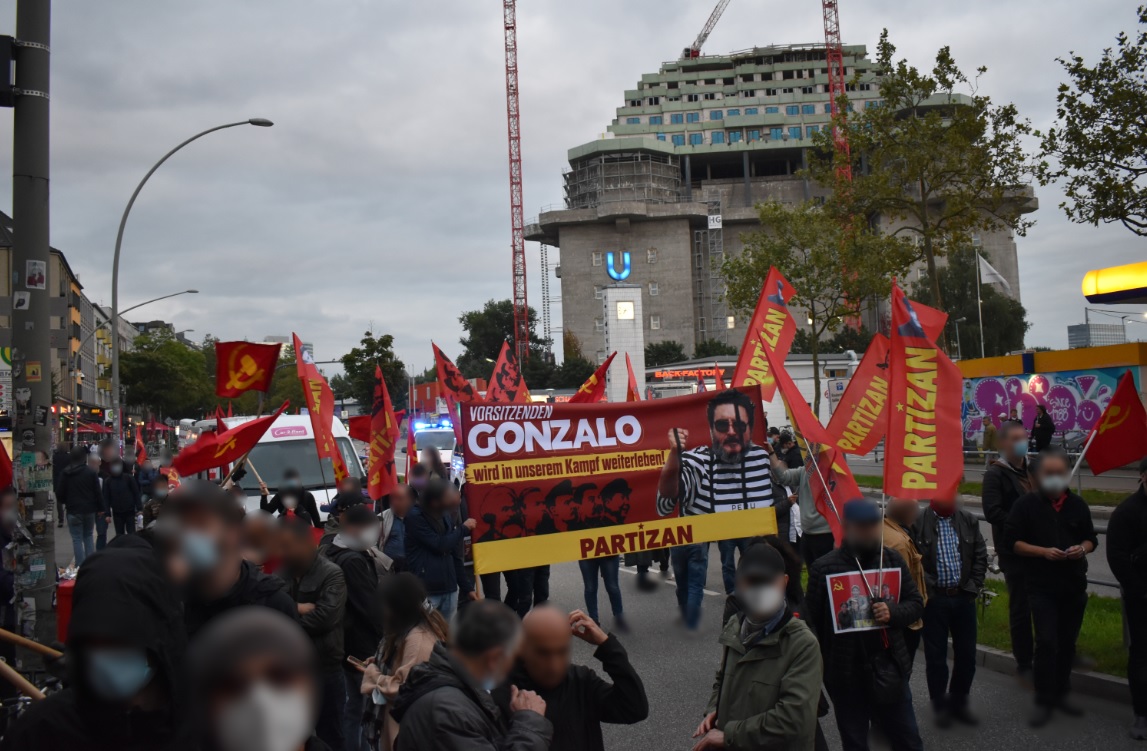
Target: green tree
(1005,319)
(1099,142)
(713,348)
(836,270)
(167,377)
(934,160)
(663,353)
(357,380)
(572,373)
(485,331)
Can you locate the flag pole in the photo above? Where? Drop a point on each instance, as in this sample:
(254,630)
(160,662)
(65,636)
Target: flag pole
(979,306)
(1082,454)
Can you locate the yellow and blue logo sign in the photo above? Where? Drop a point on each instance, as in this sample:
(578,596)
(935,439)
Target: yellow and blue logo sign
(611,268)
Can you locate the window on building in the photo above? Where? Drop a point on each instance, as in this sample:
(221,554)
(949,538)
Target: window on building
(655,322)
(692,117)
(792,109)
(696,139)
(795,132)
(653,290)
(786,91)
(633,121)
(597,256)
(677,118)
(717,137)
(776,134)
(770,92)
(751,110)
(698,261)
(678,139)
(660,136)
(692,98)
(809,130)
(716,115)
(598,324)
(754,135)
(734,136)
(872,103)
(653,101)
(733,113)
(772,110)
(711,97)
(651,255)
(656,120)
(701,325)
(598,293)
(808,90)
(808,109)
(634,102)
(828,108)
(710,81)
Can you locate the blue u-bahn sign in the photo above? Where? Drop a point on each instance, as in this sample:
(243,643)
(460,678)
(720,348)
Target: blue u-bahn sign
(611,269)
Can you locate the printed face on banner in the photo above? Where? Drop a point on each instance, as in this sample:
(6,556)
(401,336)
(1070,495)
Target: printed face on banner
(557,482)
(850,601)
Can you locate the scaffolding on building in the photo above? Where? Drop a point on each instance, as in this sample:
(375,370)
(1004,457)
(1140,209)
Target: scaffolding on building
(630,176)
(546,301)
(710,308)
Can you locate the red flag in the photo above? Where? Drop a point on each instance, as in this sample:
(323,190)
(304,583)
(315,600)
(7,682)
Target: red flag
(1120,436)
(771,328)
(455,388)
(804,420)
(718,379)
(632,393)
(140,446)
(218,449)
(229,408)
(861,418)
(925,456)
(832,486)
(506,382)
(243,366)
(321,406)
(359,428)
(411,448)
(6,474)
(220,426)
(701,387)
(382,477)
(593,390)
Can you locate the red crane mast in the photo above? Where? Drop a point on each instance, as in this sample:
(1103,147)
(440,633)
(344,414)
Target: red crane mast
(517,221)
(834,54)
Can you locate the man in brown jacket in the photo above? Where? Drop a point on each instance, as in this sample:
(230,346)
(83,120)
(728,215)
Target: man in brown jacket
(899,516)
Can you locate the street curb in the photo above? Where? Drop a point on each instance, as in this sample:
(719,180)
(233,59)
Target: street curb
(1098,685)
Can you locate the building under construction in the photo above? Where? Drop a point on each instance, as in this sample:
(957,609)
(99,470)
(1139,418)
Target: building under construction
(662,199)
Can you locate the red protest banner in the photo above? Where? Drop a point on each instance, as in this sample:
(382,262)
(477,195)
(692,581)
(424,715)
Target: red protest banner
(772,327)
(861,418)
(549,483)
(925,452)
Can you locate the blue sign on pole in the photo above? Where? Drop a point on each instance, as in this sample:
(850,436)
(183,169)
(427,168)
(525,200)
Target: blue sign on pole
(610,269)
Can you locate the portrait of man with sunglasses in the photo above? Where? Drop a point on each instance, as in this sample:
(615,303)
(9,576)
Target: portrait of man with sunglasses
(728,473)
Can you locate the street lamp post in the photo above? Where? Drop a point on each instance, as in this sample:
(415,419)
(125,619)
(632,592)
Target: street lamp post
(116,401)
(956,323)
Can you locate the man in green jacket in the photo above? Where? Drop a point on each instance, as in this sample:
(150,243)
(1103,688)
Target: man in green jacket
(768,686)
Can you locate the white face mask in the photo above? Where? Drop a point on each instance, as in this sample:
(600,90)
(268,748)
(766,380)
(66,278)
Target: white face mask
(763,601)
(290,502)
(369,537)
(1053,484)
(266,719)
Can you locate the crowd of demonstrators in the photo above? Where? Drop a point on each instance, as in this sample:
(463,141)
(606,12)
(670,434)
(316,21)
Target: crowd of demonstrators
(1127,556)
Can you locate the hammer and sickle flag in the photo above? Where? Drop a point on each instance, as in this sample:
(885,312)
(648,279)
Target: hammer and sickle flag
(244,366)
(593,390)
(1120,436)
(215,448)
(382,475)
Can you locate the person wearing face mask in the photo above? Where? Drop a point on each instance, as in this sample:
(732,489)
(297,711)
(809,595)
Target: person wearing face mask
(293,497)
(79,495)
(577,700)
(146,477)
(767,688)
(393,540)
(1006,481)
(955,561)
(253,677)
(446,705)
(1127,556)
(899,516)
(362,622)
(1052,532)
(434,547)
(125,651)
(866,672)
(122,497)
(419,476)
(318,587)
(158,496)
(210,532)
(261,541)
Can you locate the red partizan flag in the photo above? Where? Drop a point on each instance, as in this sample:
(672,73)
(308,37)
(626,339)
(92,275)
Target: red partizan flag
(718,379)
(861,418)
(593,390)
(701,387)
(1121,433)
(218,449)
(832,486)
(140,447)
(454,387)
(321,406)
(382,476)
(804,420)
(772,327)
(507,386)
(632,393)
(243,366)
(6,473)
(924,456)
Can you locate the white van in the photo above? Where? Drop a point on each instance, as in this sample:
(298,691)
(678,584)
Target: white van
(290,443)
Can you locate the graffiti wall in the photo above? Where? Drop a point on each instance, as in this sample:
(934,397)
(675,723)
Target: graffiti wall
(1074,398)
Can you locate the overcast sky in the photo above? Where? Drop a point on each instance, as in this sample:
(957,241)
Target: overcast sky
(379,199)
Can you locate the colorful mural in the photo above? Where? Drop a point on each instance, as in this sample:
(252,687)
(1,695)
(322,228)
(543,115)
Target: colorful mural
(1074,398)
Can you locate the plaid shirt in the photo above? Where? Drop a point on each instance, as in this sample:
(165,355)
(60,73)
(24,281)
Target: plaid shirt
(947,555)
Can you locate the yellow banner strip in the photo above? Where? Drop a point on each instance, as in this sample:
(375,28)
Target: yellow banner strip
(542,550)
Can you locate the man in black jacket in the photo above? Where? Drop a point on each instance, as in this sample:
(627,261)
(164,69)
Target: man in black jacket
(292,496)
(209,528)
(577,700)
(318,587)
(1051,530)
(1005,481)
(362,621)
(78,494)
(445,703)
(853,660)
(122,497)
(1127,556)
(955,560)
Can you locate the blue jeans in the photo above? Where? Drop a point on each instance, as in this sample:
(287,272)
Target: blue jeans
(607,569)
(944,615)
(80,527)
(729,560)
(101,531)
(353,739)
(445,604)
(855,711)
(690,567)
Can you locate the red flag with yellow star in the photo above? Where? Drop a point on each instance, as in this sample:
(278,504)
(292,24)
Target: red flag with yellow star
(244,366)
(381,474)
(861,419)
(216,448)
(593,390)
(321,406)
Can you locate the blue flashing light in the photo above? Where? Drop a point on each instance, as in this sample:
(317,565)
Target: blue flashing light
(445,424)
(421,425)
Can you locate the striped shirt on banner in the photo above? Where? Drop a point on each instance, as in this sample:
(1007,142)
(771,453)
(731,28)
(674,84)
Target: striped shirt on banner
(710,485)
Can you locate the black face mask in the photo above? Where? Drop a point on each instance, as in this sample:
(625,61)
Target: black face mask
(865,548)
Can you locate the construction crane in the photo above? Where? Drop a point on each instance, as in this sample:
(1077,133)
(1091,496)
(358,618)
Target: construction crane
(517,221)
(694,50)
(834,54)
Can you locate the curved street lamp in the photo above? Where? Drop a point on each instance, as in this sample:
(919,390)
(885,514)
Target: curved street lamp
(256,121)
